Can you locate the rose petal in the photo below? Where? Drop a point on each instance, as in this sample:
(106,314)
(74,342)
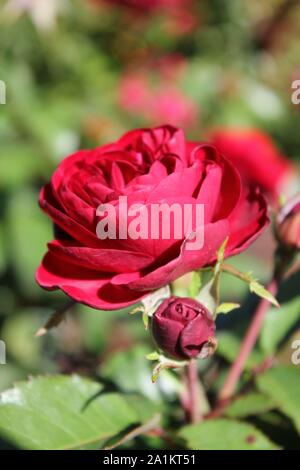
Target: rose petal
(83,285)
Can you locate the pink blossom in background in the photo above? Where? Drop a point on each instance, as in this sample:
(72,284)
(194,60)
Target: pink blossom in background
(157,97)
(171,106)
(134,94)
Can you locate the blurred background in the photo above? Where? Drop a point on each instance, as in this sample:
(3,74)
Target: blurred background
(79,73)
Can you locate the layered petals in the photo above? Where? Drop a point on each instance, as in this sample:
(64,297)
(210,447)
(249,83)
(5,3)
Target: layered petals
(147,168)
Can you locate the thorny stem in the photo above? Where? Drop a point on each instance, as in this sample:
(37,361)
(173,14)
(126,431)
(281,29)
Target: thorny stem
(247,345)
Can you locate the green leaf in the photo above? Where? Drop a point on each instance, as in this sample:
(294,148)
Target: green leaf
(225,434)
(227,307)
(254,286)
(195,284)
(63,412)
(259,290)
(282,384)
(249,405)
(277,324)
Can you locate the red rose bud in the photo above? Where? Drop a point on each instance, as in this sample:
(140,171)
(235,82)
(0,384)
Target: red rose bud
(288,229)
(183,328)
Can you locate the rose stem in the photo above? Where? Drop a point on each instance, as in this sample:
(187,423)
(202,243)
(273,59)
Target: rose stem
(247,345)
(194,414)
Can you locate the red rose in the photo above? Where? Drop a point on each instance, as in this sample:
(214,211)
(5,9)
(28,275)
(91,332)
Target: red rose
(288,228)
(149,166)
(256,157)
(183,328)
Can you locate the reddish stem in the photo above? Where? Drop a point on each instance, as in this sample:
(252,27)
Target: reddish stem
(247,345)
(193,408)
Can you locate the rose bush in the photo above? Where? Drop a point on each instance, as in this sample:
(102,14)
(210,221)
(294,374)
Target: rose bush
(148,166)
(256,157)
(183,328)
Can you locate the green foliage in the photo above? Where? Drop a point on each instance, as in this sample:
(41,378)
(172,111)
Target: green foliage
(251,404)
(60,412)
(225,434)
(282,385)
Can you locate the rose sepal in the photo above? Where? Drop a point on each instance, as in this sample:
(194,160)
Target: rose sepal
(163,362)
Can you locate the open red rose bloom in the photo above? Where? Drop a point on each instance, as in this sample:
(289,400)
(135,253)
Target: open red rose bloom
(148,166)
